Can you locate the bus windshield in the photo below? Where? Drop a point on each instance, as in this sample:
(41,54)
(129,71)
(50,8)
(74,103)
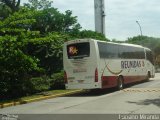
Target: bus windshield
(78,50)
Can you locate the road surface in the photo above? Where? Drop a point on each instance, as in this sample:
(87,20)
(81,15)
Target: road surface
(137,99)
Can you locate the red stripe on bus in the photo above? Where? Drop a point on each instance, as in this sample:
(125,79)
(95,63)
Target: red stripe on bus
(131,79)
(111,81)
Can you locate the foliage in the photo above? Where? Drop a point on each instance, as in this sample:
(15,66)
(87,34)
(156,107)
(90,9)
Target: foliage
(15,67)
(37,84)
(150,42)
(51,20)
(15,63)
(90,34)
(57,80)
(146,41)
(5,11)
(12,4)
(49,51)
(31,41)
(38,4)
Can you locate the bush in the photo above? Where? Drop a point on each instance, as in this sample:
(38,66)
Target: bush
(90,34)
(57,81)
(37,84)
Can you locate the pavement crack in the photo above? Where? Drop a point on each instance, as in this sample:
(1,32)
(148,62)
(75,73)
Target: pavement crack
(71,106)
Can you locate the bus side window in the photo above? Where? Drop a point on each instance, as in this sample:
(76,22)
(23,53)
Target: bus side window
(124,52)
(149,56)
(108,50)
(112,51)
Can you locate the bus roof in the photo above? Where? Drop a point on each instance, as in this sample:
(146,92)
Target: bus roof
(124,44)
(89,39)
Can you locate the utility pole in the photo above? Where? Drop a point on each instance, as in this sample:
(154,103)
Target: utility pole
(140,28)
(99,8)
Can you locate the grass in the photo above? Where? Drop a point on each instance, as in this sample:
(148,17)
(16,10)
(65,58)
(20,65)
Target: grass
(38,95)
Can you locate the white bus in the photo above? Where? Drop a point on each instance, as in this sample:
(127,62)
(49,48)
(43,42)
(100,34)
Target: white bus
(91,64)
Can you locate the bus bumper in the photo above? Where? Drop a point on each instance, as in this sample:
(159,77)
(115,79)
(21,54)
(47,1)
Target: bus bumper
(83,86)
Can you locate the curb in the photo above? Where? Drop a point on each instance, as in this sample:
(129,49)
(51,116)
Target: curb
(37,99)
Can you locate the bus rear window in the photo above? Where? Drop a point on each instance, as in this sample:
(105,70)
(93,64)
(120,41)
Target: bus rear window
(78,50)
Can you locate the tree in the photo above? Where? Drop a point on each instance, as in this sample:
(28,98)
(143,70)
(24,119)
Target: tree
(25,53)
(38,4)
(4,11)
(15,62)
(88,34)
(49,51)
(31,41)
(12,4)
(150,42)
(51,20)
(145,41)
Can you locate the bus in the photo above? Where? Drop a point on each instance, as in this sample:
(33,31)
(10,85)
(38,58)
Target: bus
(94,64)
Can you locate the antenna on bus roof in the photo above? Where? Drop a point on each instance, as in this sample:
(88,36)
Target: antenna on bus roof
(99,9)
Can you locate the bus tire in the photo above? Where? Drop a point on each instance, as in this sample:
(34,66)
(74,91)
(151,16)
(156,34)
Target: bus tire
(120,82)
(148,76)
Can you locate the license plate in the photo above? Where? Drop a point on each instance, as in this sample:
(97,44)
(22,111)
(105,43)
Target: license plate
(71,81)
(80,81)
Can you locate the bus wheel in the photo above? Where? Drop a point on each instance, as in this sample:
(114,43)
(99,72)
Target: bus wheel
(120,83)
(148,76)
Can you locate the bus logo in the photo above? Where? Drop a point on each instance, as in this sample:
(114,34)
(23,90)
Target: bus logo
(73,50)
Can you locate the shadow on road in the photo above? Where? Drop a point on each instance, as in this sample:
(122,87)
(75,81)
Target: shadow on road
(155,102)
(99,92)
(92,93)
(138,83)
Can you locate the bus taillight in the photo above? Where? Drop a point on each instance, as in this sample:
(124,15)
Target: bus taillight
(65,77)
(96,75)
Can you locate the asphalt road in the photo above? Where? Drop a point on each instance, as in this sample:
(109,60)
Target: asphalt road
(135,99)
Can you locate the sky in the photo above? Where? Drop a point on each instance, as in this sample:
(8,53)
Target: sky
(121,16)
